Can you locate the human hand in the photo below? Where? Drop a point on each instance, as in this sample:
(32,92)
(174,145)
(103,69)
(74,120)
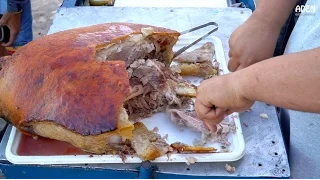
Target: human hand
(225,94)
(12,21)
(253,41)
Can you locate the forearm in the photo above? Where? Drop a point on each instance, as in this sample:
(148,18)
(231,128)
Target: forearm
(274,12)
(15,5)
(291,81)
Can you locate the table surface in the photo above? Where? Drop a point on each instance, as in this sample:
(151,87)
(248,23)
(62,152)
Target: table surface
(170,3)
(265,154)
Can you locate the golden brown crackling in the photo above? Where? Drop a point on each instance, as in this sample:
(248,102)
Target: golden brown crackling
(182,148)
(56,78)
(85,98)
(151,138)
(197,69)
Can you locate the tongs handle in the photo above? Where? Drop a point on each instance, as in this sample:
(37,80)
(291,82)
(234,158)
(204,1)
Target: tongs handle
(198,40)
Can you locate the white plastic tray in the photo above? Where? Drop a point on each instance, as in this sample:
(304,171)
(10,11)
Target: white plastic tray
(161,121)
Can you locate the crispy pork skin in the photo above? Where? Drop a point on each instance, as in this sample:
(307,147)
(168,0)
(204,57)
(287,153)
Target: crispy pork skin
(199,62)
(72,85)
(204,69)
(148,144)
(183,148)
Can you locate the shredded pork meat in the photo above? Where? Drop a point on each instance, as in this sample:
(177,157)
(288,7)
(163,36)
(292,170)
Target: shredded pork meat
(153,87)
(188,118)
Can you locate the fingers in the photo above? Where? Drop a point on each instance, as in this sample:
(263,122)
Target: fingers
(215,116)
(211,127)
(202,104)
(4,19)
(205,102)
(201,108)
(229,111)
(241,66)
(233,64)
(230,54)
(12,21)
(210,117)
(13,36)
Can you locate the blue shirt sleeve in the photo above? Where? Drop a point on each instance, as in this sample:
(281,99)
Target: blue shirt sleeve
(15,5)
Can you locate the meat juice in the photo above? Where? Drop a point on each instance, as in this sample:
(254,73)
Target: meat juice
(28,146)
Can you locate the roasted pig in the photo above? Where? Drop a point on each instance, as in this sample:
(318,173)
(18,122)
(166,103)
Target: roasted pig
(88,86)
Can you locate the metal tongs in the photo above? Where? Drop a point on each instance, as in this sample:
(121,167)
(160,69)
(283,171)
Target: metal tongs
(180,51)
